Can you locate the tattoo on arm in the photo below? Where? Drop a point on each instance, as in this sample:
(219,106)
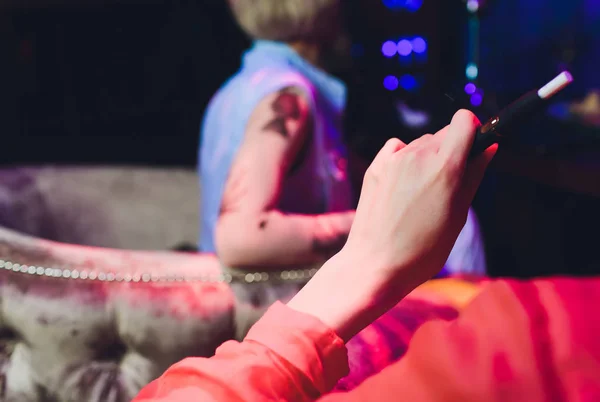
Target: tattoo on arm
(285,107)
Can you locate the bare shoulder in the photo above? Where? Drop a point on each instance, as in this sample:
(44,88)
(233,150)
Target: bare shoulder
(284,113)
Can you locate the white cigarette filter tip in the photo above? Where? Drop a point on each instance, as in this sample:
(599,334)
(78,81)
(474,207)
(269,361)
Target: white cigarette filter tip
(556,85)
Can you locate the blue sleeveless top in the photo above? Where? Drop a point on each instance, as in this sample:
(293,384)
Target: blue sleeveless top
(322,178)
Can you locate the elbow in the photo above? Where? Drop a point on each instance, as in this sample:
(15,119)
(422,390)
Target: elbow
(230,251)
(234,245)
(231,257)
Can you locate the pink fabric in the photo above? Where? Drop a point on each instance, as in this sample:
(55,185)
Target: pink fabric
(532,341)
(282,358)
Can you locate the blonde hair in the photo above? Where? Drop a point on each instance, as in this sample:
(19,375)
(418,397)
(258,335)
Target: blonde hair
(287,20)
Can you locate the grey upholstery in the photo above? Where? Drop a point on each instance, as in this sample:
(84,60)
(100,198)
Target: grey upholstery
(121,207)
(81,323)
(91,340)
(71,339)
(67,339)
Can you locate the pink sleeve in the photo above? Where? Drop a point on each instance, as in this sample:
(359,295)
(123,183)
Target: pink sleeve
(283,357)
(530,341)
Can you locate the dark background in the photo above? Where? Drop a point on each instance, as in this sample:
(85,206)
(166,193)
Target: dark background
(126,82)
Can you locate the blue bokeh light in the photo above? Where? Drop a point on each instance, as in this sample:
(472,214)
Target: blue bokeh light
(389,49)
(413,5)
(394,4)
(405,48)
(476,99)
(408,5)
(470,88)
(408,82)
(472,71)
(390,83)
(473,6)
(419,45)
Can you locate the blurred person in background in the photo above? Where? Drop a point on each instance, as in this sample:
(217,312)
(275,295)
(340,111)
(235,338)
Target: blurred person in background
(276,192)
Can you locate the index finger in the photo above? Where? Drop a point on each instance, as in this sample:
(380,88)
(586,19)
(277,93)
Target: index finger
(459,138)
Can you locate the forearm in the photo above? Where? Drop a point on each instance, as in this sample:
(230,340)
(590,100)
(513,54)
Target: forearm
(352,291)
(277,239)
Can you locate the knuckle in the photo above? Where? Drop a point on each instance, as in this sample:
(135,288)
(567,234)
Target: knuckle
(368,173)
(372,173)
(422,142)
(392,145)
(392,142)
(419,141)
(409,157)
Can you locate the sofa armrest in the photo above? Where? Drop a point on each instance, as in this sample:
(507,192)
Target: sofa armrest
(79,334)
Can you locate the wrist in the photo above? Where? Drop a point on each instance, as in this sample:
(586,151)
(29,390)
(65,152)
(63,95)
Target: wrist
(348,293)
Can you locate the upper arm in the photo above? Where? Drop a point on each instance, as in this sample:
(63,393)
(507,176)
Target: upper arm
(275,134)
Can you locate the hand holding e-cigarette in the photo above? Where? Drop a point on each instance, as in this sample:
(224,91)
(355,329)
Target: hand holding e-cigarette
(499,125)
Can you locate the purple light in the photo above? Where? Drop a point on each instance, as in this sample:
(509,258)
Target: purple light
(389,49)
(476,99)
(404,47)
(473,6)
(390,83)
(470,88)
(419,45)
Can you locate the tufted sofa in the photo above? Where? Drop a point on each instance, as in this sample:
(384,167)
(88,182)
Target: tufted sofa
(87,323)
